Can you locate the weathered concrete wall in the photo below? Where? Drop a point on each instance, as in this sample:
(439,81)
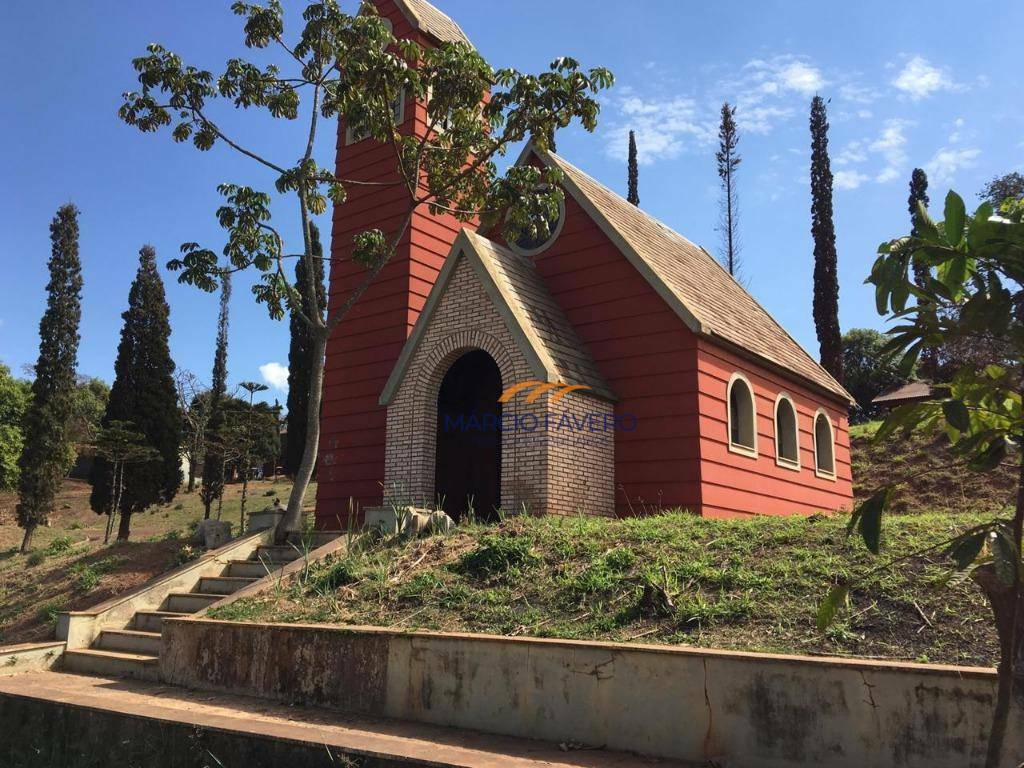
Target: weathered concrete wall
(46,734)
(743,710)
(30,657)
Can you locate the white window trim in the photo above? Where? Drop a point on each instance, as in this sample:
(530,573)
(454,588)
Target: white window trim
(818,471)
(742,450)
(351,138)
(781,460)
(552,236)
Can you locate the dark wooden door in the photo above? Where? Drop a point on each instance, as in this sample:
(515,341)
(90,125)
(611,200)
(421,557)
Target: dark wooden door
(468,468)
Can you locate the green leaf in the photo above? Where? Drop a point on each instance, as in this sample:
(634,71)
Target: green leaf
(966,549)
(1005,558)
(956,414)
(868,519)
(991,457)
(838,597)
(956,215)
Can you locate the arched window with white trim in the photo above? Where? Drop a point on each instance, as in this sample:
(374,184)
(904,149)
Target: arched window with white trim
(742,416)
(824,446)
(787,440)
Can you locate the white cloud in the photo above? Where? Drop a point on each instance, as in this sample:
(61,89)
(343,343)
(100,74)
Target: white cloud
(849,179)
(947,161)
(276,375)
(859,94)
(663,127)
(920,79)
(956,133)
(891,145)
(785,73)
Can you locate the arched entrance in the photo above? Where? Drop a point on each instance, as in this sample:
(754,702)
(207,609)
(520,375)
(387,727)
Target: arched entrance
(468,462)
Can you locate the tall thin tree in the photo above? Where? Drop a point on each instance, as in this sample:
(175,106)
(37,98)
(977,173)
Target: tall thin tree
(47,454)
(634,176)
(300,351)
(919,196)
(826,277)
(728,160)
(144,395)
(213,460)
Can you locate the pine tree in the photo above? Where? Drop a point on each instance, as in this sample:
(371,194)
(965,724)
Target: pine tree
(301,348)
(728,161)
(826,279)
(634,175)
(144,396)
(214,460)
(47,455)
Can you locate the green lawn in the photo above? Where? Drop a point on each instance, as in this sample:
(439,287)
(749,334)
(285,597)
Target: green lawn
(741,584)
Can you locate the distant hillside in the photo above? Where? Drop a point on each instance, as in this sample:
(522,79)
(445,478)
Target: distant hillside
(939,482)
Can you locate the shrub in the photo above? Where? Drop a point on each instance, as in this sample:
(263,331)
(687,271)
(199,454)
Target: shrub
(87,575)
(497,554)
(48,611)
(60,545)
(36,558)
(337,574)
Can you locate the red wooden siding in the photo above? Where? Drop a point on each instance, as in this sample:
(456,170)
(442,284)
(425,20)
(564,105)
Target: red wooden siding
(645,352)
(733,484)
(364,347)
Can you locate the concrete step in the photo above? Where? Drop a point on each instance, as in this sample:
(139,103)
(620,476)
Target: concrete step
(222,585)
(253,569)
(129,641)
(313,539)
(189,602)
(91,661)
(152,621)
(277,553)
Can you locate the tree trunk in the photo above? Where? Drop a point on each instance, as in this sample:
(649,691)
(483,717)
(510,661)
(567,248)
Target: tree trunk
(191,476)
(1008,607)
(27,541)
(124,527)
(292,520)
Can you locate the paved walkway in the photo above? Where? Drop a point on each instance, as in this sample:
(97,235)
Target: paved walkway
(420,744)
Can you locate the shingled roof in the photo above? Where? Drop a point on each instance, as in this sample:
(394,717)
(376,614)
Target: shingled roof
(550,343)
(429,20)
(693,283)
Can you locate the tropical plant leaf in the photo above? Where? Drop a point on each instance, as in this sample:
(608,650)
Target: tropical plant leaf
(956,214)
(965,550)
(1005,558)
(837,598)
(869,518)
(956,414)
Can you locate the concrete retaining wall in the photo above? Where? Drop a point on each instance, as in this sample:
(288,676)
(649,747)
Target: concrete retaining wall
(742,710)
(30,657)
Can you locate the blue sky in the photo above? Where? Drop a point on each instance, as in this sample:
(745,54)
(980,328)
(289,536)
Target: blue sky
(937,86)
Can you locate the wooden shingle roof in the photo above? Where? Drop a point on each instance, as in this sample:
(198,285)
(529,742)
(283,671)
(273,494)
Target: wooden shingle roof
(554,350)
(431,21)
(703,294)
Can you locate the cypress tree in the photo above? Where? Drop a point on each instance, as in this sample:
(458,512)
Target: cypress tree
(214,458)
(300,351)
(826,279)
(634,176)
(143,395)
(728,160)
(919,194)
(47,454)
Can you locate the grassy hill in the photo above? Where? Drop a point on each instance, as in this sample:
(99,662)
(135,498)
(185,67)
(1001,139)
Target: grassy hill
(71,569)
(936,480)
(741,584)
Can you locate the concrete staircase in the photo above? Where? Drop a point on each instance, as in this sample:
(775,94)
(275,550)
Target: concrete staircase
(134,650)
